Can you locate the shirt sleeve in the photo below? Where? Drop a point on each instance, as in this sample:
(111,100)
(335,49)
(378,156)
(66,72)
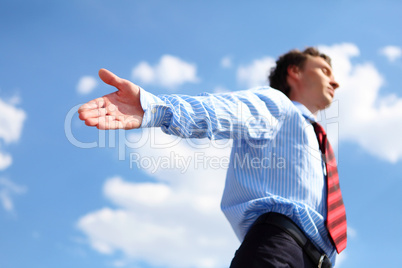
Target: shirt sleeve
(255,114)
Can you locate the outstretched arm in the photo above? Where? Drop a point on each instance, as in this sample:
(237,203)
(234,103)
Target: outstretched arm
(118,110)
(243,114)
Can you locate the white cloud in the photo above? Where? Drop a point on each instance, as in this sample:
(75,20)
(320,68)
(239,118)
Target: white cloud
(226,62)
(367,117)
(7,190)
(5,160)
(11,122)
(86,85)
(144,72)
(392,53)
(178,217)
(256,73)
(128,194)
(170,72)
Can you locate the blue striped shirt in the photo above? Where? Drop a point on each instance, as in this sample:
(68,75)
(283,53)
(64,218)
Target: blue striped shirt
(275,164)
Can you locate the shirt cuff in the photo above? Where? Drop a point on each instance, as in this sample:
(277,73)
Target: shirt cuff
(156,112)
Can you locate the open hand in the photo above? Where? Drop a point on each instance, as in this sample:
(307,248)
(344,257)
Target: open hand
(118,110)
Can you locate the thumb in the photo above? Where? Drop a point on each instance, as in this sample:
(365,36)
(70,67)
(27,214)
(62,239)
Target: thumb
(110,78)
(121,84)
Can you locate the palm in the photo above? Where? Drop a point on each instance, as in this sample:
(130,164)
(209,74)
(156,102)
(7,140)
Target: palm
(118,110)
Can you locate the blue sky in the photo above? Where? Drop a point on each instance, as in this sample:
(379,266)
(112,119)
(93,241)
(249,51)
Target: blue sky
(63,205)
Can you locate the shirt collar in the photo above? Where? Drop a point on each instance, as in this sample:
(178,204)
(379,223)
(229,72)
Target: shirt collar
(304,111)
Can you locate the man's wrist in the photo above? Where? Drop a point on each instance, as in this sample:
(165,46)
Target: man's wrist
(155,110)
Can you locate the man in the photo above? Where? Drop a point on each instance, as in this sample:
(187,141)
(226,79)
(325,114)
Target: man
(278,211)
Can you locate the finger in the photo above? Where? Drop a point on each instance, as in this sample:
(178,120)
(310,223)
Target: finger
(111,79)
(94,113)
(93,104)
(103,123)
(92,122)
(109,123)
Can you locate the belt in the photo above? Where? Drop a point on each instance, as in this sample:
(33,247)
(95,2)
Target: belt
(287,225)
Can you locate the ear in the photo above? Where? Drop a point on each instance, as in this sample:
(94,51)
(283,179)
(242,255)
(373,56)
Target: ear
(293,71)
(293,79)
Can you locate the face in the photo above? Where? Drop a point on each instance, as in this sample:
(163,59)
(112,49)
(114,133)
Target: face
(316,84)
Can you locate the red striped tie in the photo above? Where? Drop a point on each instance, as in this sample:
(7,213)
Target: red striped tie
(336,215)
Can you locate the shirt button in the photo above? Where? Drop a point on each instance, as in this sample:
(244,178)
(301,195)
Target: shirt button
(153,110)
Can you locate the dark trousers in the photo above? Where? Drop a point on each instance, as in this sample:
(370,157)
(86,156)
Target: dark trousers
(266,246)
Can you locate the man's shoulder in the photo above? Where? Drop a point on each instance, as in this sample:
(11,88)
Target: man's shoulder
(276,97)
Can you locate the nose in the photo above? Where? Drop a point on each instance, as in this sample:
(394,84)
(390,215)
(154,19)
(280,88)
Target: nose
(333,83)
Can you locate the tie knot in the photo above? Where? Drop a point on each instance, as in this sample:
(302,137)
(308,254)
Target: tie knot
(318,128)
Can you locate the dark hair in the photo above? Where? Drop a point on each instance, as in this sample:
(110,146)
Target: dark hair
(278,76)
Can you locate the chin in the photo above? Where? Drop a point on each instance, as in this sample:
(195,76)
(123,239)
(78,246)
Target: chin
(328,100)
